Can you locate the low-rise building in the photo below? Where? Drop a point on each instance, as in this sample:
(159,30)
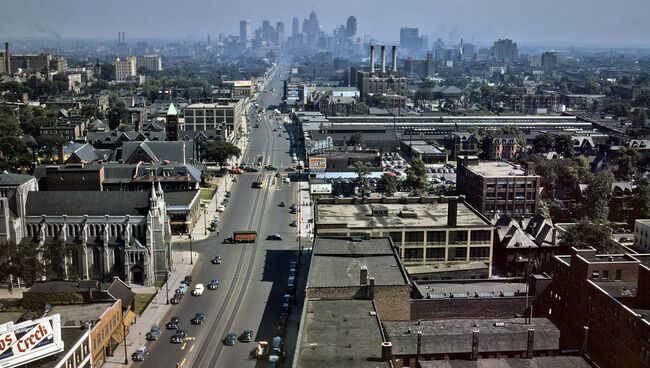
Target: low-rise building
(499,147)
(228,118)
(499,188)
(642,235)
(426,152)
(444,234)
(13,195)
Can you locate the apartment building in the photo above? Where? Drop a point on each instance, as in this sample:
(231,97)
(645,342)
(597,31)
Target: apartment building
(125,68)
(229,119)
(150,62)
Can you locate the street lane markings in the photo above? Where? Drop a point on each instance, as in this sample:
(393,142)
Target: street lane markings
(183,362)
(192,348)
(183,347)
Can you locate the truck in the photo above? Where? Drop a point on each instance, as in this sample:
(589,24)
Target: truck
(246,236)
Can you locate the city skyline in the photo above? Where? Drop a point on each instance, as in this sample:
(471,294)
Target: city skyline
(579,22)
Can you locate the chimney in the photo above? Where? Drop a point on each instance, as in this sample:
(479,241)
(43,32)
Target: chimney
(371,288)
(372,59)
(419,351)
(363,276)
(475,345)
(119,37)
(123,37)
(7,59)
(61,154)
(394,64)
(383,59)
(386,351)
(452,211)
(530,344)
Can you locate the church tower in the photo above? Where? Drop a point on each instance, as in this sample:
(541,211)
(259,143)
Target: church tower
(171,125)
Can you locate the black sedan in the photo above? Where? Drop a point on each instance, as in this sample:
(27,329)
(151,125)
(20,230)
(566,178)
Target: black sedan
(198,319)
(178,337)
(274,237)
(173,323)
(246,336)
(230,339)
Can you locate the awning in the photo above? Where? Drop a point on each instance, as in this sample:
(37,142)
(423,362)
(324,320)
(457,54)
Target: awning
(129,318)
(117,336)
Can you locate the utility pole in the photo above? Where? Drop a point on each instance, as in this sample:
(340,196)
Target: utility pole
(191,252)
(167,288)
(126,354)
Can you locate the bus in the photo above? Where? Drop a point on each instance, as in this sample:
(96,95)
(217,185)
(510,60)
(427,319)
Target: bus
(259,183)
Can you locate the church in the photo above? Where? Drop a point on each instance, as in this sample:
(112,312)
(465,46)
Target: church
(105,233)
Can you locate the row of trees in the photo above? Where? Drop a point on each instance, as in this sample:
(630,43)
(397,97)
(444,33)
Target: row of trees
(387,185)
(29,261)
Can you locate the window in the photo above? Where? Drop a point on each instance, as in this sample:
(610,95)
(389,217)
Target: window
(618,274)
(595,275)
(412,254)
(438,237)
(458,237)
(414,236)
(606,274)
(436,254)
(396,236)
(457,254)
(480,236)
(479,253)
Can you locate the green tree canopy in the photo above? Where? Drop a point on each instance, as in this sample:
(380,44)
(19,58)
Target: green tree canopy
(639,118)
(543,143)
(563,145)
(597,196)
(220,152)
(585,234)
(626,160)
(640,201)
(387,185)
(357,139)
(416,175)
(363,171)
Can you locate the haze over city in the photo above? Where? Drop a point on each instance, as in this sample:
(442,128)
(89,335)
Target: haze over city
(553,22)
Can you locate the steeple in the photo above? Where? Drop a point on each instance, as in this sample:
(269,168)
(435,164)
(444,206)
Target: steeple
(172,110)
(153,200)
(160,191)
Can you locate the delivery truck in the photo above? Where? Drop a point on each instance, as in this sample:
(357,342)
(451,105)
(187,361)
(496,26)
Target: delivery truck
(247,236)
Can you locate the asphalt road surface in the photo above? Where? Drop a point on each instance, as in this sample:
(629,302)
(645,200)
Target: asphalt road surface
(252,276)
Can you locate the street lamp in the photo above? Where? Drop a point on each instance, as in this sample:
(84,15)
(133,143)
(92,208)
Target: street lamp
(167,288)
(126,354)
(191,252)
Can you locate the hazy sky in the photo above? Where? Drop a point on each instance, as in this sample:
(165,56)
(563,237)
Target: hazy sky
(562,22)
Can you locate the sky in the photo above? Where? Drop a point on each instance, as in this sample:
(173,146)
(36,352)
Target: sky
(561,22)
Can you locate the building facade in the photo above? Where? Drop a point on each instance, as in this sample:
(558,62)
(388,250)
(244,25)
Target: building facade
(150,62)
(229,119)
(500,147)
(124,234)
(498,188)
(125,68)
(13,195)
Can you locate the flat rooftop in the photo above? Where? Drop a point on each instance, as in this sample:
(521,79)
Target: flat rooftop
(436,268)
(618,289)
(455,335)
(210,105)
(429,215)
(495,169)
(463,290)
(340,333)
(338,263)
(537,362)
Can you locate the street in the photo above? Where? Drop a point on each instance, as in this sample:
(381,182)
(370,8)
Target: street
(252,276)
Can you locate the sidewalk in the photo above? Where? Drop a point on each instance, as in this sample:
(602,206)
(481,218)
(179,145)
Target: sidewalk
(155,313)
(306,213)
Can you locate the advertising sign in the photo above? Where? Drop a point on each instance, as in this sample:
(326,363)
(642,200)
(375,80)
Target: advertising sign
(320,189)
(29,340)
(317,164)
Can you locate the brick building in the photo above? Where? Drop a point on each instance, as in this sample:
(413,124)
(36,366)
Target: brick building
(601,303)
(499,147)
(498,188)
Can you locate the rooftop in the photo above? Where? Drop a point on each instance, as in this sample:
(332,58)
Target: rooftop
(455,335)
(618,289)
(537,362)
(429,215)
(495,169)
(340,333)
(91,203)
(11,179)
(211,105)
(337,263)
(463,290)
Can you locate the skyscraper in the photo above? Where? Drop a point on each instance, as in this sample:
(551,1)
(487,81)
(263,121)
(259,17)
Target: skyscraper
(409,39)
(295,27)
(504,51)
(279,31)
(351,27)
(244,30)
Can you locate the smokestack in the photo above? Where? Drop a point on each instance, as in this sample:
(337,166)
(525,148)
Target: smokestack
(61,154)
(7,59)
(530,343)
(394,64)
(372,59)
(583,349)
(419,351)
(363,276)
(119,37)
(383,59)
(371,288)
(123,37)
(452,211)
(474,345)
(386,351)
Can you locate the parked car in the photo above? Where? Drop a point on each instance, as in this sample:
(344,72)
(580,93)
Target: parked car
(286,299)
(230,339)
(178,337)
(182,289)
(213,285)
(274,237)
(291,282)
(282,204)
(227,194)
(216,260)
(187,280)
(198,290)
(198,319)
(154,333)
(287,180)
(246,336)
(236,170)
(293,223)
(173,323)
(176,299)
(221,208)
(270,167)
(139,354)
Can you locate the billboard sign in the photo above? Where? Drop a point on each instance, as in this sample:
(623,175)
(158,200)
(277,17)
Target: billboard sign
(30,340)
(317,164)
(320,188)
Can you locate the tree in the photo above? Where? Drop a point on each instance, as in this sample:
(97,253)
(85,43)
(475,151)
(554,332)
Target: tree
(563,145)
(639,118)
(21,260)
(360,108)
(416,175)
(626,160)
(586,234)
(363,171)
(48,143)
(356,139)
(640,200)
(543,143)
(387,185)
(220,151)
(596,197)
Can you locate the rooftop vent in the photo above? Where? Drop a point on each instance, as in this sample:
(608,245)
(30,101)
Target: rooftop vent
(406,213)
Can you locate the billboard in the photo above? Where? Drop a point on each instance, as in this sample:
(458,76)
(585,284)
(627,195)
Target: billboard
(30,340)
(317,164)
(320,188)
